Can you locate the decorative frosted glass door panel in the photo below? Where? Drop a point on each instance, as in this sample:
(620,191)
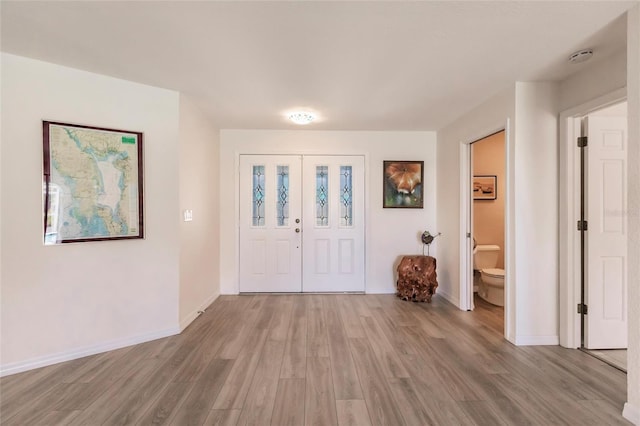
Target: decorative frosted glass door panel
(270,237)
(333,229)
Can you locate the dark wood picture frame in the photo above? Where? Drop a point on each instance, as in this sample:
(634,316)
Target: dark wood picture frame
(403,184)
(85,152)
(485,187)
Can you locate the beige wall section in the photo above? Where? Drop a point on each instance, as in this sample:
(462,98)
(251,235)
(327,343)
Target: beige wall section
(63,302)
(632,408)
(488,215)
(199,247)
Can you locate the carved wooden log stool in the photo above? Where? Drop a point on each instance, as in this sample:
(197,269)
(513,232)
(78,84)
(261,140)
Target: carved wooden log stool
(417,278)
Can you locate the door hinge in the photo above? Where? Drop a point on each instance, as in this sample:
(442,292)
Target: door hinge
(468,234)
(583,225)
(583,309)
(582,141)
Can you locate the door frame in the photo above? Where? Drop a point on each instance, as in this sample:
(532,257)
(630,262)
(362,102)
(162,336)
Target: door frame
(466,228)
(314,153)
(569,212)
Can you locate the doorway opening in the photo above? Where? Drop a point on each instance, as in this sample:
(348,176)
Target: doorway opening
(602,229)
(487,198)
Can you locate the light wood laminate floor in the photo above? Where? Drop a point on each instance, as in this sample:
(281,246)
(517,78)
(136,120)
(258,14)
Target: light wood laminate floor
(324,360)
(615,357)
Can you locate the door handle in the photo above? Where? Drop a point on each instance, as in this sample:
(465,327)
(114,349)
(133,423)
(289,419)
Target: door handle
(297,230)
(297,220)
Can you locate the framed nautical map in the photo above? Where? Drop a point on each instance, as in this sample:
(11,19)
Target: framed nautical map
(92,183)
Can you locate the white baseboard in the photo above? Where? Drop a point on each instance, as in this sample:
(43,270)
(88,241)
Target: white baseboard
(453,300)
(537,340)
(43,361)
(631,413)
(184,322)
(390,290)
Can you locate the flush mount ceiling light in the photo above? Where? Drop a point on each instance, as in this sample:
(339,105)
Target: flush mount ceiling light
(581,56)
(302,117)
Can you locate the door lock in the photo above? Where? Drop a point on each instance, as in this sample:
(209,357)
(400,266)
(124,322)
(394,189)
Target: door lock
(297,220)
(297,230)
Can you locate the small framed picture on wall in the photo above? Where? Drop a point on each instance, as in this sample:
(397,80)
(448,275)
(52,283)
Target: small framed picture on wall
(485,187)
(402,187)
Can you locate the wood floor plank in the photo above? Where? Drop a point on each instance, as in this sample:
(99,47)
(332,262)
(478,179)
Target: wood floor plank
(481,413)
(382,408)
(258,406)
(139,402)
(294,361)
(317,343)
(277,359)
(37,387)
(198,403)
(349,316)
(236,340)
(234,391)
(343,371)
(116,395)
(59,418)
(164,407)
(409,401)
(320,402)
(289,406)
(81,395)
(603,413)
(222,418)
(383,350)
(95,365)
(282,317)
(352,413)
(390,330)
(39,409)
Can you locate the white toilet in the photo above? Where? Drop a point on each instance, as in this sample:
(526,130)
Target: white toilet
(485,260)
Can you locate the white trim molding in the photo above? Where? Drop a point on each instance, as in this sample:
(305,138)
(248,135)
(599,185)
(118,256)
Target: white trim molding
(43,361)
(537,340)
(631,413)
(186,321)
(569,190)
(454,301)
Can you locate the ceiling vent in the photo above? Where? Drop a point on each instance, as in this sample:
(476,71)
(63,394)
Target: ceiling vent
(581,56)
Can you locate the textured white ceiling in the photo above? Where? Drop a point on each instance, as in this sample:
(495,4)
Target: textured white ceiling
(360,65)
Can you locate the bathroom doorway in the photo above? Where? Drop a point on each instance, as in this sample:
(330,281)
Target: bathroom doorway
(488,177)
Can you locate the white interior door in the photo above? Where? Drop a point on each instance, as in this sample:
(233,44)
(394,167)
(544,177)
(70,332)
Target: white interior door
(333,226)
(606,208)
(270,237)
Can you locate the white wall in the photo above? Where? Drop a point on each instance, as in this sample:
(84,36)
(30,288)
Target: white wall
(594,81)
(390,233)
(199,254)
(632,408)
(535,232)
(580,94)
(529,113)
(61,302)
(488,118)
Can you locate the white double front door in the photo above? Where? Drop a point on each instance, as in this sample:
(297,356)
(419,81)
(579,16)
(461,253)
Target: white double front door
(301,223)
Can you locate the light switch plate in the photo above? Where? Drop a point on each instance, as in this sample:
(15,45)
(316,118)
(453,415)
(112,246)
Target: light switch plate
(188,215)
